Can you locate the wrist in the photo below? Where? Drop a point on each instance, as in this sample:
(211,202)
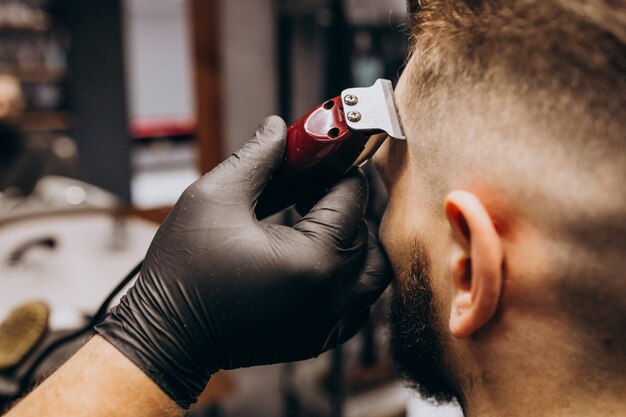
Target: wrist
(148,338)
(108,385)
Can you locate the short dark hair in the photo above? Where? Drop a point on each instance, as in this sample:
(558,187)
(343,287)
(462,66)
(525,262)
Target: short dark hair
(564,60)
(577,46)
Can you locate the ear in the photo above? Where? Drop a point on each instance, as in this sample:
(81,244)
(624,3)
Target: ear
(477,267)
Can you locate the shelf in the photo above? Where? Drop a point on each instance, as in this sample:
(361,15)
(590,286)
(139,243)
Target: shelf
(164,126)
(40,75)
(45,121)
(23,30)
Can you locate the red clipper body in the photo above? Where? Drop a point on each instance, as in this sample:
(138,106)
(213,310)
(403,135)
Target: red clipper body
(322,138)
(328,141)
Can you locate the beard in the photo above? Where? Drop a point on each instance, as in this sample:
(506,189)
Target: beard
(416,336)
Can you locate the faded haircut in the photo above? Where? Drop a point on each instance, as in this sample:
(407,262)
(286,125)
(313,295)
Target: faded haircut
(544,85)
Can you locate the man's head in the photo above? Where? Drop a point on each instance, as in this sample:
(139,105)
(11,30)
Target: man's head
(506,224)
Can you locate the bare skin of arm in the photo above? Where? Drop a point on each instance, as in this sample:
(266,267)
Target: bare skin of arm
(97,381)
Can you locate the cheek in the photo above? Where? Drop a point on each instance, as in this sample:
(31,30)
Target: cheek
(397,237)
(407,224)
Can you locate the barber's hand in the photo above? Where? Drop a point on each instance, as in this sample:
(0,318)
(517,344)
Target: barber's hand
(221,290)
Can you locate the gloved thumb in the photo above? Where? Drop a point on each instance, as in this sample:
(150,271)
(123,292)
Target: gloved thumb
(246,172)
(338,216)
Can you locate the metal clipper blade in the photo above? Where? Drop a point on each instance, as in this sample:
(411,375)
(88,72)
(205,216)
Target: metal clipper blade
(371,109)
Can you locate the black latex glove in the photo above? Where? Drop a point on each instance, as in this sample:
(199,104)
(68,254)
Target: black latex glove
(221,290)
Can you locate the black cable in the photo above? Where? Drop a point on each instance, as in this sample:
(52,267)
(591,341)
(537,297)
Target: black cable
(17,254)
(96,319)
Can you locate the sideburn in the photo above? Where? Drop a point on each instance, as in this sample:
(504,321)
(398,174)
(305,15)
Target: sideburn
(416,333)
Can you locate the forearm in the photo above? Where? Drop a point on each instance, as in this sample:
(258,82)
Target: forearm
(97,381)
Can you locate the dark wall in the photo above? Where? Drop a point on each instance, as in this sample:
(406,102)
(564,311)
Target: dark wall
(98,91)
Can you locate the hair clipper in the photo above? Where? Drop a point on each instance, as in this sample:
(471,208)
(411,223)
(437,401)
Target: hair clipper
(337,135)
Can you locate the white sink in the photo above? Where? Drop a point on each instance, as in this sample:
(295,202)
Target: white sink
(75,276)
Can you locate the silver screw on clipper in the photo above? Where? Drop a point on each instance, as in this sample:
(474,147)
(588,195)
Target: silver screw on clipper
(354,116)
(350,99)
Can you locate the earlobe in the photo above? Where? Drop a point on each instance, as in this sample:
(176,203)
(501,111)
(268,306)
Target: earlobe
(477,266)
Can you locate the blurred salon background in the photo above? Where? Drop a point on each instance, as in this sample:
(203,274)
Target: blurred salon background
(109,109)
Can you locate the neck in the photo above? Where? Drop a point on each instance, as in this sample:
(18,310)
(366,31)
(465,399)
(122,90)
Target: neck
(546,375)
(535,401)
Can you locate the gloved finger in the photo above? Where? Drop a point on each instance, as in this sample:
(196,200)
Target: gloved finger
(305,205)
(354,325)
(357,251)
(244,175)
(346,329)
(375,276)
(337,217)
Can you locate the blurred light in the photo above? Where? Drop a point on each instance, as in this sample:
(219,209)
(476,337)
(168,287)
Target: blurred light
(75,195)
(64,148)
